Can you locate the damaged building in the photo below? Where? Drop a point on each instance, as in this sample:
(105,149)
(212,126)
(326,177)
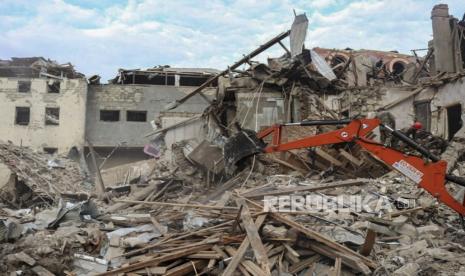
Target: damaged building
(315,162)
(120,113)
(43,103)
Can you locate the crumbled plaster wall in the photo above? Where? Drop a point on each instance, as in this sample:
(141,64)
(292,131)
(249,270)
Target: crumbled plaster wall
(264,110)
(363,100)
(72,103)
(150,98)
(442,97)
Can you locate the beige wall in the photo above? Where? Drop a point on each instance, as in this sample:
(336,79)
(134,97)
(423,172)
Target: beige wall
(441,98)
(72,103)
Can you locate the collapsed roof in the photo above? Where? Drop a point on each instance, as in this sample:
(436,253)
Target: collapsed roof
(35,67)
(164,75)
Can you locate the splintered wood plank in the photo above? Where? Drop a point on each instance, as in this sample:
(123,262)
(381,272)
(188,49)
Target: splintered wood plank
(253,236)
(337,266)
(369,243)
(162,230)
(296,268)
(187,268)
(323,154)
(332,245)
(352,159)
(157,260)
(349,260)
(335,184)
(239,254)
(246,266)
(160,270)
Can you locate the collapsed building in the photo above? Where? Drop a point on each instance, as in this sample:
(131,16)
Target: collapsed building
(52,108)
(198,206)
(120,113)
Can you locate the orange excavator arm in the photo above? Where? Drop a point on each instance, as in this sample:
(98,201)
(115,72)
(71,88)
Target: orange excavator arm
(430,175)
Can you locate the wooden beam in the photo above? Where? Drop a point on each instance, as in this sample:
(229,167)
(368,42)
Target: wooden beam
(337,266)
(323,154)
(367,246)
(157,260)
(350,158)
(320,238)
(177,204)
(239,254)
(187,268)
(336,184)
(253,237)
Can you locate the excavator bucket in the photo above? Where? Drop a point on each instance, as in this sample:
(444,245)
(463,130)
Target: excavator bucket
(239,146)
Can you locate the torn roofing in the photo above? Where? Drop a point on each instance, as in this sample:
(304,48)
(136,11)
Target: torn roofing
(32,67)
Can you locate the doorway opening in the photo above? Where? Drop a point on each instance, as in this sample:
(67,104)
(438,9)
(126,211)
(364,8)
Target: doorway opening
(454,119)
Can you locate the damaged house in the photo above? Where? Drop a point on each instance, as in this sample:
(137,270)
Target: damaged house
(120,113)
(281,167)
(43,104)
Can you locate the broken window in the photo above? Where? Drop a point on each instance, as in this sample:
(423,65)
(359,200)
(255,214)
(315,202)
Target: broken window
(52,116)
(423,113)
(151,78)
(53,86)
(22,116)
(50,150)
(454,119)
(194,80)
(136,116)
(398,68)
(24,86)
(109,115)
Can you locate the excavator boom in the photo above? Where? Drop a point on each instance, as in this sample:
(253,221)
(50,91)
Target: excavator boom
(428,173)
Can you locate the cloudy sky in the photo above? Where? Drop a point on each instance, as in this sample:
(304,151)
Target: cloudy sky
(99,37)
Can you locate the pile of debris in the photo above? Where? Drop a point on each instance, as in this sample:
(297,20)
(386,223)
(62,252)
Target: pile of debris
(32,179)
(167,223)
(35,67)
(193,209)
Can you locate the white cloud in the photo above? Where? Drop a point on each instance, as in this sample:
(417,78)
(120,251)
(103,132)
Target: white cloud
(145,33)
(322,3)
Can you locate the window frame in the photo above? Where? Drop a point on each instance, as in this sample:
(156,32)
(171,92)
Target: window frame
(49,87)
(49,122)
(109,110)
(17,110)
(136,113)
(23,82)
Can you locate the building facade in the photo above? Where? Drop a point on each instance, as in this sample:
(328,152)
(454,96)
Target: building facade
(42,105)
(120,114)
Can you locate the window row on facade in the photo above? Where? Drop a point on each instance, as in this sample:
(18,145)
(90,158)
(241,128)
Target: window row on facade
(131,116)
(23,116)
(24,86)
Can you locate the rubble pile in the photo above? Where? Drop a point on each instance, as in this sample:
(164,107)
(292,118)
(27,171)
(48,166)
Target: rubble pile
(33,179)
(203,206)
(167,224)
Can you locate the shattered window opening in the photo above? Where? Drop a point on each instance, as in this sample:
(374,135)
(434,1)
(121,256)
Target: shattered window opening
(454,120)
(52,116)
(194,81)
(22,116)
(398,68)
(24,86)
(109,115)
(136,116)
(423,113)
(50,150)
(53,86)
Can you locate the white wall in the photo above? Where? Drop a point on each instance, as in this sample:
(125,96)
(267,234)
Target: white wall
(441,97)
(72,103)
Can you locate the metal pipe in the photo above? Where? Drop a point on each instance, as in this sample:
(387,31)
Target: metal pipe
(320,123)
